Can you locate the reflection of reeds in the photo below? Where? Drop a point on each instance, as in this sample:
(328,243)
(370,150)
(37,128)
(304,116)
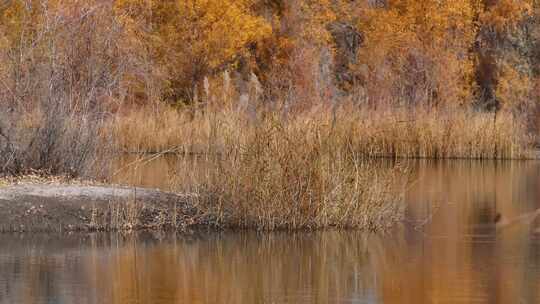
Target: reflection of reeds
(200,268)
(216,268)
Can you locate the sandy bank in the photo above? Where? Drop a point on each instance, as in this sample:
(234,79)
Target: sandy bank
(46,207)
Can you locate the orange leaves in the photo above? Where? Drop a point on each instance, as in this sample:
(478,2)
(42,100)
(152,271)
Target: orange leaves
(396,47)
(191,38)
(514,88)
(431,46)
(416,49)
(506,14)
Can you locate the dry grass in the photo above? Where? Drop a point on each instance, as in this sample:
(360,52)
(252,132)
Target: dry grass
(146,130)
(43,178)
(133,215)
(394,133)
(163,128)
(276,174)
(440,134)
(311,170)
(53,140)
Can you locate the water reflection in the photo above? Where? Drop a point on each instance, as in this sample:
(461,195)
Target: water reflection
(450,250)
(205,268)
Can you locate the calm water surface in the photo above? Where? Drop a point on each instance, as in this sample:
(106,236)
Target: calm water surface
(449,250)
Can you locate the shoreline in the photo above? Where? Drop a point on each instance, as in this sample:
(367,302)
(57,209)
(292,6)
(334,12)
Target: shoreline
(61,206)
(56,204)
(40,207)
(533,154)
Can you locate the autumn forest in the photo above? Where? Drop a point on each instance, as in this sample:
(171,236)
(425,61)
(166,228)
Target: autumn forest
(291,98)
(479,52)
(269,151)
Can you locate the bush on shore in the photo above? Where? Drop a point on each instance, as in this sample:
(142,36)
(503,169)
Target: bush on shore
(54,141)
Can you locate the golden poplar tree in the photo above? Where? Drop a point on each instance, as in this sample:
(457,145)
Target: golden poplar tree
(193,38)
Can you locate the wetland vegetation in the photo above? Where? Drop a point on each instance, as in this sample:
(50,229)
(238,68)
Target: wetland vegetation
(245,151)
(289,101)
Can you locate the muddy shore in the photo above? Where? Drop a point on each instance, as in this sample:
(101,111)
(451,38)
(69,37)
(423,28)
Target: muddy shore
(50,208)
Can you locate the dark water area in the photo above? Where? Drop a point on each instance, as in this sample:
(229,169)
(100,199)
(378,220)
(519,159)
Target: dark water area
(471,235)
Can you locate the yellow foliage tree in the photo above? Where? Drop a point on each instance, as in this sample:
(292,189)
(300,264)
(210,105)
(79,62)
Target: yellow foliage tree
(425,51)
(417,51)
(193,38)
(505,14)
(503,73)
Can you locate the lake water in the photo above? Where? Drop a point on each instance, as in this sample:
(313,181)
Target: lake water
(449,250)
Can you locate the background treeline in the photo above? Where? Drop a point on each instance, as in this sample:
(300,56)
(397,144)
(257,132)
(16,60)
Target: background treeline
(406,78)
(429,52)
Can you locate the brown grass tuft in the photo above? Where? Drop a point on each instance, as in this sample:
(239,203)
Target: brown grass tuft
(298,174)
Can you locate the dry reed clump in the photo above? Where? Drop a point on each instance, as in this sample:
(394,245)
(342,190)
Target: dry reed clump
(439,134)
(310,170)
(296,174)
(395,133)
(167,129)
